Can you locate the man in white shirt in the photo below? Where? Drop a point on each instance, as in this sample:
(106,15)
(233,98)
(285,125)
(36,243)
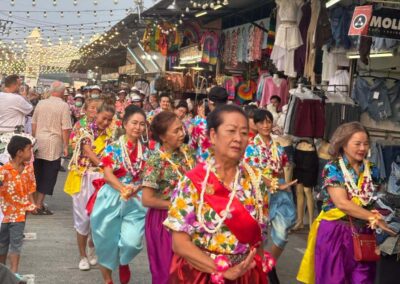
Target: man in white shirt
(13,107)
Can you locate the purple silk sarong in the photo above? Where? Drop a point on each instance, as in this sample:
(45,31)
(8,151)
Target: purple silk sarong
(334,257)
(159,245)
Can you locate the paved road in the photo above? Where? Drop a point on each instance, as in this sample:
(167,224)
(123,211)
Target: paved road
(53,256)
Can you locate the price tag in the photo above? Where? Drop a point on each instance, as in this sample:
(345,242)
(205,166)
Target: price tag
(376,95)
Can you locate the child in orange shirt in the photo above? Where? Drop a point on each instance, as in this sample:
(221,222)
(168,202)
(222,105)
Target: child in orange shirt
(17,183)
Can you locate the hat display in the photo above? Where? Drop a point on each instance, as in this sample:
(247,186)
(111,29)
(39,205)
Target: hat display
(218,95)
(136,98)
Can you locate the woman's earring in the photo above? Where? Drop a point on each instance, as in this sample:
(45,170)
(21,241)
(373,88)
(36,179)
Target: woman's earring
(146,138)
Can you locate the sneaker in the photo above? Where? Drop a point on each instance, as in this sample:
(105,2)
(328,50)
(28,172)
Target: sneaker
(20,278)
(84,264)
(91,255)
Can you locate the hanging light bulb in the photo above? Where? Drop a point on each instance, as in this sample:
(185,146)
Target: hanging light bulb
(33,3)
(62,14)
(115,2)
(95,13)
(78,14)
(12,2)
(44,14)
(111,13)
(28,14)
(226,2)
(187,10)
(9,13)
(75,2)
(95,2)
(54,2)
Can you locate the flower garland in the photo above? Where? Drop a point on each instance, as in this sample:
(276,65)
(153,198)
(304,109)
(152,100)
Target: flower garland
(226,213)
(365,189)
(175,167)
(126,160)
(274,159)
(74,162)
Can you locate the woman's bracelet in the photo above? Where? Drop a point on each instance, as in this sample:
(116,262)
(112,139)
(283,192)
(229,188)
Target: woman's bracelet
(222,263)
(373,221)
(267,263)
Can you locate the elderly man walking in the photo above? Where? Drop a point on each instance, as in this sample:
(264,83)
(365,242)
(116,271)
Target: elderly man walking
(51,124)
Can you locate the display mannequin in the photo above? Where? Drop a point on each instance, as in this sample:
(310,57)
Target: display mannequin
(276,79)
(302,189)
(287,143)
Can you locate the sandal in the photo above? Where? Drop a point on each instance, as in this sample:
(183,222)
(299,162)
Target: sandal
(44,211)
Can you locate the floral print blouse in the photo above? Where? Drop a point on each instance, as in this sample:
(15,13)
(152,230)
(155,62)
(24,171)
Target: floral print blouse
(333,177)
(151,114)
(113,158)
(162,175)
(182,216)
(199,141)
(258,154)
(15,188)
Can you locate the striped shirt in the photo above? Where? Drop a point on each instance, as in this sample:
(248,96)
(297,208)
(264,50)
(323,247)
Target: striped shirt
(51,117)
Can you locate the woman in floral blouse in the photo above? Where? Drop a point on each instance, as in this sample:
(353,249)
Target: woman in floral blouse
(165,166)
(89,144)
(217,216)
(349,191)
(264,153)
(117,218)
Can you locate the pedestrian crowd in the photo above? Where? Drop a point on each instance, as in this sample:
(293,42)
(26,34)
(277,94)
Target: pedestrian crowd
(203,183)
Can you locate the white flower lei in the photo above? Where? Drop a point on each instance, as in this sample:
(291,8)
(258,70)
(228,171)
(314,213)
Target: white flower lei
(77,151)
(126,160)
(226,213)
(365,193)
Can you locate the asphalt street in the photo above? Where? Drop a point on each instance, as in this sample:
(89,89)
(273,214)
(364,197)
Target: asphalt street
(50,254)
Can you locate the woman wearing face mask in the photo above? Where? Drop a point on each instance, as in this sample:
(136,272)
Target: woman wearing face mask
(349,189)
(217,216)
(90,111)
(165,166)
(83,170)
(118,217)
(76,109)
(264,153)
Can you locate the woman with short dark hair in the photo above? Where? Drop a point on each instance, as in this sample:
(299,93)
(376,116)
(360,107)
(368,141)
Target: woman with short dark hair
(217,215)
(349,189)
(165,166)
(267,155)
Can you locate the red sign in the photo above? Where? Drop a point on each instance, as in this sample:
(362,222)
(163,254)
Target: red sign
(360,22)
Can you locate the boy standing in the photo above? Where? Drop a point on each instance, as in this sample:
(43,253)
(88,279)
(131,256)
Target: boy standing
(17,183)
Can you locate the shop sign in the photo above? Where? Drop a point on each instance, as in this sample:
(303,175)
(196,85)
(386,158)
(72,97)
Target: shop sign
(190,54)
(359,22)
(129,69)
(110,77)
(384,22)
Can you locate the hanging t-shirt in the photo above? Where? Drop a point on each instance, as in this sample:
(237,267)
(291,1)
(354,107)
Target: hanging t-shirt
(274,87)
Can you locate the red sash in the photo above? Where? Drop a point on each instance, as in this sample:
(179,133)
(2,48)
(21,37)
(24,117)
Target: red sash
(98,184)
(245,228)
